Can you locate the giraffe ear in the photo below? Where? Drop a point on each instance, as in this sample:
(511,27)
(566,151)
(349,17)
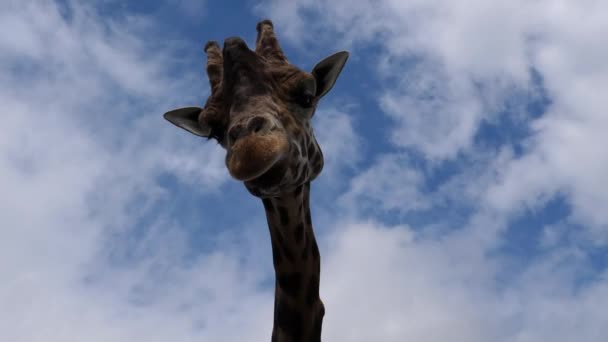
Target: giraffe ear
(187,118)
(326,72)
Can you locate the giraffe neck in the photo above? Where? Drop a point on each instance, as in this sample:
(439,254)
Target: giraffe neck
(298,309)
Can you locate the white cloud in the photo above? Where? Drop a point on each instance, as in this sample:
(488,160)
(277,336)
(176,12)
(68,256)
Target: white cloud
(392,183)
(386,284)
(565,153)
(436,114)
(81,147)
(341,145)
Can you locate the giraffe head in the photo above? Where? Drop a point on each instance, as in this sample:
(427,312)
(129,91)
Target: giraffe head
(260,110)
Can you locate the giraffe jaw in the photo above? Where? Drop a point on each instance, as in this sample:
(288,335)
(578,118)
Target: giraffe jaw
(253,155)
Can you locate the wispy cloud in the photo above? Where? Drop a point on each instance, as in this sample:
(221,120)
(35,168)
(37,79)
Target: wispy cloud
(82,147)
(375,190)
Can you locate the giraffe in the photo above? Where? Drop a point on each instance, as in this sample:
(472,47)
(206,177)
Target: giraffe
(259,111)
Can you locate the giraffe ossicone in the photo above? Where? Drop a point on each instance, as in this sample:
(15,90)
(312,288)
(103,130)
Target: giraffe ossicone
(259,111)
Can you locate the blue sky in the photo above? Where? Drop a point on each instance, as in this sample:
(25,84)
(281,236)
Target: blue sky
(463,194)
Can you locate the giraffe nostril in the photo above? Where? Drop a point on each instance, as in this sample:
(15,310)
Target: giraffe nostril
(257,124)
(236,132)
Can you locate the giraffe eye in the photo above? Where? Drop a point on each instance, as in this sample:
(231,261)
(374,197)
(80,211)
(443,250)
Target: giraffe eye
(305,99)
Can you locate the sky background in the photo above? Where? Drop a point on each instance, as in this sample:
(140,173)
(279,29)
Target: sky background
(464,195)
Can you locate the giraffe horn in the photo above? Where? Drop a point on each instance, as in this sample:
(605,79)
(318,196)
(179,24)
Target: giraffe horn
(214,65)
(267,44)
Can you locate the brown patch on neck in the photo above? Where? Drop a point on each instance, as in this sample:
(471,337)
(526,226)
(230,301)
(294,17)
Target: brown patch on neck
(298,312)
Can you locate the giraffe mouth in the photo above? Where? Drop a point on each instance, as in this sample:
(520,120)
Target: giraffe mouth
(253,155)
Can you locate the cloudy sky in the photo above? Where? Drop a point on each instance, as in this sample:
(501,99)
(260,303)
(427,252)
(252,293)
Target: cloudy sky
(464,196)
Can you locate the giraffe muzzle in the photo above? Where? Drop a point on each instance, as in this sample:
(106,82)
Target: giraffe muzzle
(254,154)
